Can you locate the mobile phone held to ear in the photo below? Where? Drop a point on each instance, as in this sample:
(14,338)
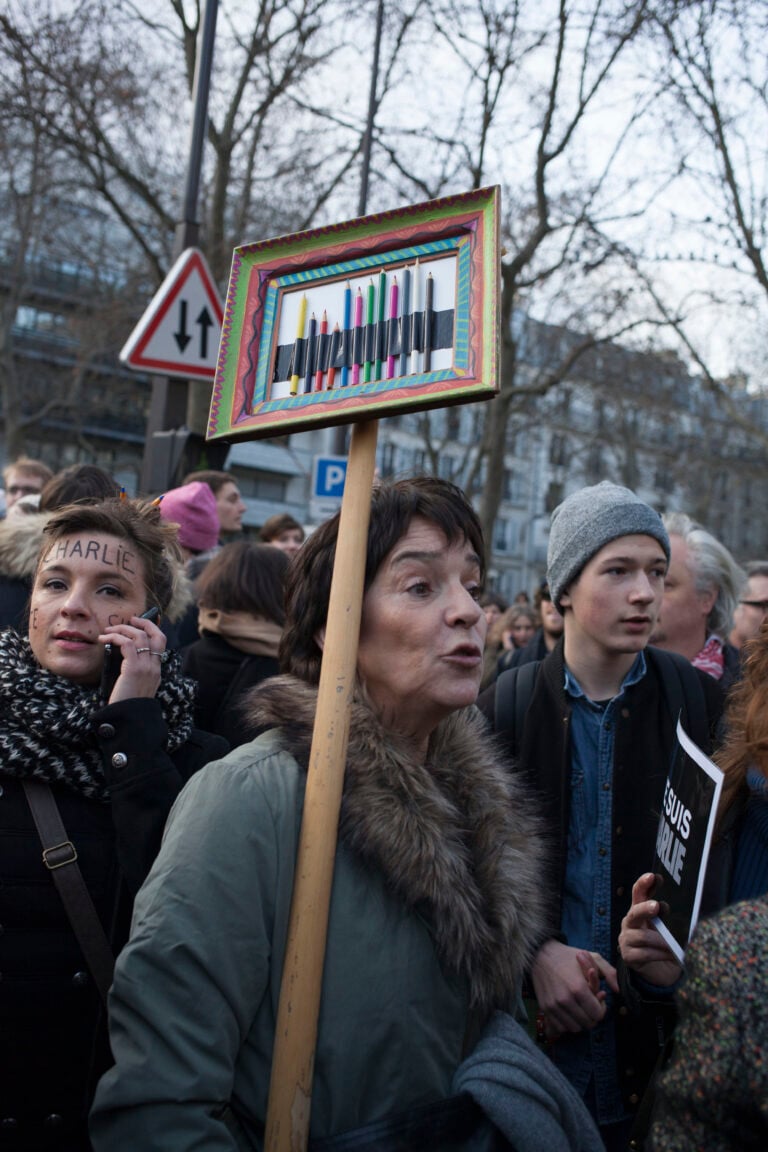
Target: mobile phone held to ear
(113,658)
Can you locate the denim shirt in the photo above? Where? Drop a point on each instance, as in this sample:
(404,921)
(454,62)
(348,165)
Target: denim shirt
(586,912)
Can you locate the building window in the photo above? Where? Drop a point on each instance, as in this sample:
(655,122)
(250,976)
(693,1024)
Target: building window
(558,451)
(387,459)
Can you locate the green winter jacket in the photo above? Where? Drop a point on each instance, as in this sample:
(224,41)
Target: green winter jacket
(435,905)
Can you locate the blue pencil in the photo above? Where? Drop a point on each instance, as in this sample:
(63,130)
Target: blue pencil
(405,306)
(346,333)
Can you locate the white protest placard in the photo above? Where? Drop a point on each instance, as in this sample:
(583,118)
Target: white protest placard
(683,841)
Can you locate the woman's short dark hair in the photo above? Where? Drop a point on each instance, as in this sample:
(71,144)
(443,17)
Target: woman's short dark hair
(137,522)
(245,577)
(394,504)
(277,524)
(77,482)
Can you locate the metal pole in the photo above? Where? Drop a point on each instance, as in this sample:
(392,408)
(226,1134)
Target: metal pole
(169,403)
(188,230)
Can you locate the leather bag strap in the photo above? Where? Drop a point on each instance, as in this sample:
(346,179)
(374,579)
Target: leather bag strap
(60,858)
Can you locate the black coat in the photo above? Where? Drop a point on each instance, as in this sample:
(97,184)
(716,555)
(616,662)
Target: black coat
(643,746)
(224,674)
(53,1043)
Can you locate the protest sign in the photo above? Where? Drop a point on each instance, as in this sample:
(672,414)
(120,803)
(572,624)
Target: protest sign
(691,797)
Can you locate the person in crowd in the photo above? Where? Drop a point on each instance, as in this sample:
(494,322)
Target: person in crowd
(229,503)
(593,736)
(437,891)
(241,617)
(701,591)
(738,864)
(283,532)
(714,1092)
(547,634)
(510,631)
(493,605)
(108,745)
(517,628)
(752,608)
(192,509)
(522,597)
(21,536)
(24,477)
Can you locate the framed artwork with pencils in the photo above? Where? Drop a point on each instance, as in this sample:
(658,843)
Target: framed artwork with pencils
(385,314)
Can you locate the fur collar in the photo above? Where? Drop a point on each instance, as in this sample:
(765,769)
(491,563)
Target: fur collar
(454,838)
(21,538)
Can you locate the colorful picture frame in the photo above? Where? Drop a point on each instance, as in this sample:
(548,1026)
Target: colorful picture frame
(383,314)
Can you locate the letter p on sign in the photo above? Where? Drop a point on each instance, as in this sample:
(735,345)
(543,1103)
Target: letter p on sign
(330,475)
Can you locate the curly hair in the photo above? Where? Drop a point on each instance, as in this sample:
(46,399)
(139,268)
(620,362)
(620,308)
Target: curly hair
(139,522)
(394,504)
(747,720)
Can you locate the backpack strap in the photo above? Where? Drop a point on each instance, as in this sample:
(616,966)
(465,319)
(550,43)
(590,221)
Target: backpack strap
(683,694)
(514,690)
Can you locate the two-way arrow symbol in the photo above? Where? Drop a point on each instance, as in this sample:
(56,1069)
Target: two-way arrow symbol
(204,322)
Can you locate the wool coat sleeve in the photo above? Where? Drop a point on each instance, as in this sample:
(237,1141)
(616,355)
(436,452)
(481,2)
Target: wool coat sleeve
(144,779)
(189,982)
(714,1093)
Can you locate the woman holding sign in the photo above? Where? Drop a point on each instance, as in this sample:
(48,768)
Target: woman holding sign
(436,901)
(95,749)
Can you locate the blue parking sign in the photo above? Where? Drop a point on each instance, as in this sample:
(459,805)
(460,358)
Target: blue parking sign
(330,474)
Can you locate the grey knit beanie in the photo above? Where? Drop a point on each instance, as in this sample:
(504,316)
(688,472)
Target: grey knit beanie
(587,520)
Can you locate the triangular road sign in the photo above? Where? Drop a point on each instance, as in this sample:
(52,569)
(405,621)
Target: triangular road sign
(178,335)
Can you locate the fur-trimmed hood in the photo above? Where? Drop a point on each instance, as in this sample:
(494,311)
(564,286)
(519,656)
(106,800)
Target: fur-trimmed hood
(455,838)
(21,538)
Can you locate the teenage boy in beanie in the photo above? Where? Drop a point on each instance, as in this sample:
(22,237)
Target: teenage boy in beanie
(596,734)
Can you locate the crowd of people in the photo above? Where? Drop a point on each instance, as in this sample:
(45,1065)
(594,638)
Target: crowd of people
(495,976)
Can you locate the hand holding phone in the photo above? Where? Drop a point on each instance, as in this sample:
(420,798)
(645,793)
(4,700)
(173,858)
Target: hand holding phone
(113,658)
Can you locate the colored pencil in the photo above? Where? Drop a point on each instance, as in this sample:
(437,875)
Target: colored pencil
(311,348)
(370,312)
(427,331)
(382,307)
(346,334)
(357,352)
(415,341)
(404,314)
(335,338)
(393,293)
(297,346)
(321,344)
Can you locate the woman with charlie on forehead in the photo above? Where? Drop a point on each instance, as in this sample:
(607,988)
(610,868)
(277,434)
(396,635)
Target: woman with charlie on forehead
(95,718)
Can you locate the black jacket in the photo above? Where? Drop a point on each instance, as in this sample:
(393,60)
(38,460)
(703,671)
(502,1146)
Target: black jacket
(53,1043)
(643,747)
(224,674)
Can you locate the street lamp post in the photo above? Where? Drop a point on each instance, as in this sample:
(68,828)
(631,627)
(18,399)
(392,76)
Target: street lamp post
(173,400)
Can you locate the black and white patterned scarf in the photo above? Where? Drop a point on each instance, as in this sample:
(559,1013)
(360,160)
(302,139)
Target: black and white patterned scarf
(46,721)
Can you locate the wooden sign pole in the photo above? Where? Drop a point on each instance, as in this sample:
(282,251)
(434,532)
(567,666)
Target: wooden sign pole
(290,1089)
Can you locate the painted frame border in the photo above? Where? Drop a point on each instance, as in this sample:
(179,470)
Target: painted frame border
(467,225)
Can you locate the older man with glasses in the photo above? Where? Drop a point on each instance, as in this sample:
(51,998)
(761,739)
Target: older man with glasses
(752,607)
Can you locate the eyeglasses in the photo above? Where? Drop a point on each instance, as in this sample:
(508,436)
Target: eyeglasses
(761,604)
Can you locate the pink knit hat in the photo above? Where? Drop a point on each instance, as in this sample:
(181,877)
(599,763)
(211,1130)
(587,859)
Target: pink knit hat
(193,508)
